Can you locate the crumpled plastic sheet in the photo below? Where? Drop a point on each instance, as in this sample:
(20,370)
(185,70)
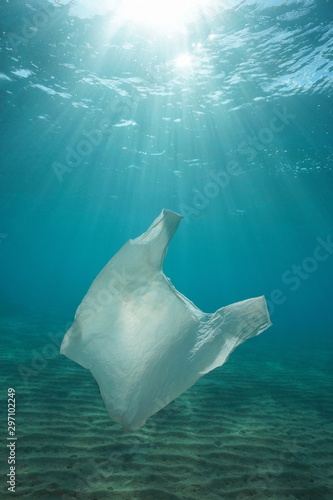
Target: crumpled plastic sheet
(143,341)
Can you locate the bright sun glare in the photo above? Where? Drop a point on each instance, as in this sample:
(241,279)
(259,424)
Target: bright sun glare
(166,15)
(183,61)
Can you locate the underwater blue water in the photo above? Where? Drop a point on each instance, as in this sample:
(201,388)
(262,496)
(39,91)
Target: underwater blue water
(103,125)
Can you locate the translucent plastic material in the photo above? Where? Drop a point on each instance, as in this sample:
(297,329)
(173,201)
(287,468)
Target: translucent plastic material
(143,341)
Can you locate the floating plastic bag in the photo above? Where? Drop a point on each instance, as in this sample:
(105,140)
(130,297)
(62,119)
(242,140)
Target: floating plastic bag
(143,341)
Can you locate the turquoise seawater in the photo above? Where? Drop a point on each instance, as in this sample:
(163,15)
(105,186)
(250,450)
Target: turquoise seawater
(227,120)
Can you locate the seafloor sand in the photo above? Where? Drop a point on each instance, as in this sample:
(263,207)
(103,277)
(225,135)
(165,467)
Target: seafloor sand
(260,428)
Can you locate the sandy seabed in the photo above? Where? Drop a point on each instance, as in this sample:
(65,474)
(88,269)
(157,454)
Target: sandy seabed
(260,427)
